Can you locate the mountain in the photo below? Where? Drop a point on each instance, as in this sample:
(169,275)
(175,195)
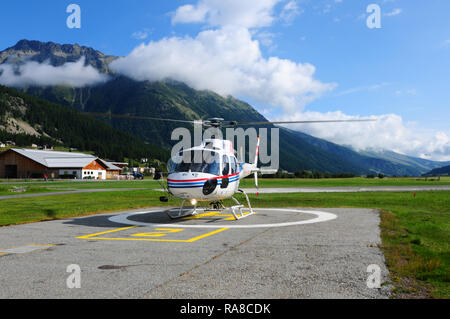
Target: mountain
(28,120)
(178,101)
(56,54)
(419,164)
(380,161)
(171,99)
(440,171)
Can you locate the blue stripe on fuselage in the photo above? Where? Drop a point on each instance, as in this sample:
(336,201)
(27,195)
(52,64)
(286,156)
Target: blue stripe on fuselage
(197,184)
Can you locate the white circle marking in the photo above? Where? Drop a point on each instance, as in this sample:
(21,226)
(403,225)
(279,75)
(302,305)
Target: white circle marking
(321,217)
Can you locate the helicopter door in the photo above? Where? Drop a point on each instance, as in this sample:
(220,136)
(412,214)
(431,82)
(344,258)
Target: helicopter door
(225,172)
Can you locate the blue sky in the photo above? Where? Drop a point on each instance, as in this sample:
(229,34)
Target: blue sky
(401,68)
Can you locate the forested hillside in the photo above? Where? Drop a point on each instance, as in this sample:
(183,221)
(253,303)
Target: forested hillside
(26,119)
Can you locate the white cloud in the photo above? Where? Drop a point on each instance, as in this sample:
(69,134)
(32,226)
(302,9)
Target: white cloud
(327,8)
(394,12)
(248,13)
(363,88)
(140,35)
(75,74)
(266,39)
(410,92)
(388,132)
(228,61)
(290,11)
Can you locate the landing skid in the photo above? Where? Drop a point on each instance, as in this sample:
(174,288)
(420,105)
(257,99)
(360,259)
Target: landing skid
(237,210)
(181,213)
(239,207)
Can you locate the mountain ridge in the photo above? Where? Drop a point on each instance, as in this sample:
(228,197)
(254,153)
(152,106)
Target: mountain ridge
(57,54)
(439,171)
(122,95)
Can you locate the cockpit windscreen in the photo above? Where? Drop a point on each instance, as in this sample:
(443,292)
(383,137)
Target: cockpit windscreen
(200,161)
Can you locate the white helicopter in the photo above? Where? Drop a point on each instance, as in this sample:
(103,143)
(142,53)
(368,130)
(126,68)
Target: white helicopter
(213,179)
(217,174)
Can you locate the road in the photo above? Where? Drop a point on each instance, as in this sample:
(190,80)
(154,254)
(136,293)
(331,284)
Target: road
(261,190)
(78,191)
(347,189)
(276,253)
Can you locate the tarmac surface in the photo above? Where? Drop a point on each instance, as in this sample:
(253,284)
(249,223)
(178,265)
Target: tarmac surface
(275,253)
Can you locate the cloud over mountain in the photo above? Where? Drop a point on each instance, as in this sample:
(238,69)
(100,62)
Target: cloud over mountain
(228,61)
(389,132)
(226,58)
(74,74)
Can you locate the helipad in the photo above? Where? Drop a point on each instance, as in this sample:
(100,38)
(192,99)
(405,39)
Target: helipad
(252,221)
(275,253)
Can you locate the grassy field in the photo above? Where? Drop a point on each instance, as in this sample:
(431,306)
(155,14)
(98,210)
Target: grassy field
(342,182)
(53,186)
(50,186)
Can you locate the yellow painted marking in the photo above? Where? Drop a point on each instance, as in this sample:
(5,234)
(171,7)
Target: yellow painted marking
(206,235)
(203,215)
(159,232)
(190,240)
(209,214)
(106,232)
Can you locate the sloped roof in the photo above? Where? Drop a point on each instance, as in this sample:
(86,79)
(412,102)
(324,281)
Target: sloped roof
(52,159)
(110,166)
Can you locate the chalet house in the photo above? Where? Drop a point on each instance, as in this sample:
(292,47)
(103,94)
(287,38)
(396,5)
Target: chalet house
(112,170)
(28,163)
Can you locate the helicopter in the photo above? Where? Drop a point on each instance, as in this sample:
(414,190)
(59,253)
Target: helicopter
(211,172)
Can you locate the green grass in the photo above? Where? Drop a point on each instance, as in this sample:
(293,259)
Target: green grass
(26,210)
(342,182)
(415,231)
(6,190)
(50,186)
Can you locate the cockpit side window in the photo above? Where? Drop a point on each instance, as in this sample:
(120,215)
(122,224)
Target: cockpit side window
(226,166)
(234,168)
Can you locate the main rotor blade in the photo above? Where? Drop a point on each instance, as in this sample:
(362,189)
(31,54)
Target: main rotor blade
(223,124)
(298,122)
(135,117)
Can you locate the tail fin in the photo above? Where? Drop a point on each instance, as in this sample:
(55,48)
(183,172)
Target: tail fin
(255,162)
(255,165)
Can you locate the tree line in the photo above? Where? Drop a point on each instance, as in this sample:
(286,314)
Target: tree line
(69,127)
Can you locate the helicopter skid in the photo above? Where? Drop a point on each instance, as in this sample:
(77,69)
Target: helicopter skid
(239,207)
(181,213)
(241,213)
(237,210)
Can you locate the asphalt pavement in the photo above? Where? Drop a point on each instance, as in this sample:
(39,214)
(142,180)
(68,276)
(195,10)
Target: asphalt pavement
(276,253)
